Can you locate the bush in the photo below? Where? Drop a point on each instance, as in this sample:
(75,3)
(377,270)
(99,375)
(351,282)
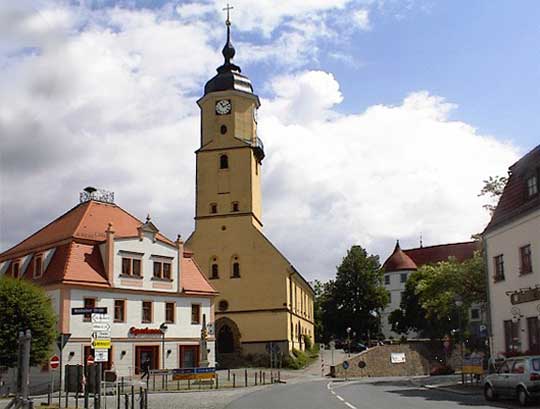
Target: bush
(307,342)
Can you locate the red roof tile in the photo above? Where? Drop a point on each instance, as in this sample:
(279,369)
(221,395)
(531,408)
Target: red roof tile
(441,252)
(514,200)
(192,280)
(398,261)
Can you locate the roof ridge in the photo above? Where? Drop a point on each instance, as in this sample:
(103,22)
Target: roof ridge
(441,245)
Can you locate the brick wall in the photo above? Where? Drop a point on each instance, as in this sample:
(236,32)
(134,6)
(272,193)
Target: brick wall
(378,362)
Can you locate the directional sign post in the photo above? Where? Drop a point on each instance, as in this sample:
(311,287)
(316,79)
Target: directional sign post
(61,342)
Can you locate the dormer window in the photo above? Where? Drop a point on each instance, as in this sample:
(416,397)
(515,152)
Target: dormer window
(38,266)
(224,162)
(532,186)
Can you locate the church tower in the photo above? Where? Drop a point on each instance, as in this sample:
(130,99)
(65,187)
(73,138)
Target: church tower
(262,297)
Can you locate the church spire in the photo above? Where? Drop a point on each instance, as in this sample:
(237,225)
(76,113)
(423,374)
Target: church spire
(228,49)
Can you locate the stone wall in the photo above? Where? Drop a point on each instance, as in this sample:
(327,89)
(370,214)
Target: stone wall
(377,362)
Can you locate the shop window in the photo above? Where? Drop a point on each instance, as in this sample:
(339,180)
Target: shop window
(119,310)
(88,303)
(511,336)
(146,312)
(169,312)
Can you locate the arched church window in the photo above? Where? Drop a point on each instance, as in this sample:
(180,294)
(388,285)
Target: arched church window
(224,162)
(214,269)
(213,208)
(236,267)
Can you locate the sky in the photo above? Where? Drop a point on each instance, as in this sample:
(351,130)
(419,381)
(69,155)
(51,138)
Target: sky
(380,118)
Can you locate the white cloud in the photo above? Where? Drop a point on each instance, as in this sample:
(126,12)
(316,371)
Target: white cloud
(361,19)
(112,103)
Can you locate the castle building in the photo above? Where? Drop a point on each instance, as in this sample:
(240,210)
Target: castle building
(401,263)
(262,298)
(99,255)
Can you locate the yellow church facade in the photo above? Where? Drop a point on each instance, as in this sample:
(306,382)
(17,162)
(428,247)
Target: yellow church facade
(262,298)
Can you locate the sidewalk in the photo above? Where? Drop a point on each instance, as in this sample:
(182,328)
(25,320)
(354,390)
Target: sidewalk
(450,383)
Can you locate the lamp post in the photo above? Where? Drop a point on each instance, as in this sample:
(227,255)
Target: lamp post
(349,341)
(163,328)
(459,303)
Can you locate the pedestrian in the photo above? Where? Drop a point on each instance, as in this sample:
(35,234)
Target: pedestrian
(145,366)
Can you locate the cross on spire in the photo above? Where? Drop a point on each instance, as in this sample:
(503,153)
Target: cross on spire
(228,9)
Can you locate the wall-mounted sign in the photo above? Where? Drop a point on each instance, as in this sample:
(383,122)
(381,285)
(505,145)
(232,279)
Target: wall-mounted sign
(522,296)
(89,310)
(144,332)
(397,357)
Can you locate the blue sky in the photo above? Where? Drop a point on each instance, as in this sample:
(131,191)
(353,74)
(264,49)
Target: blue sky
(380,118)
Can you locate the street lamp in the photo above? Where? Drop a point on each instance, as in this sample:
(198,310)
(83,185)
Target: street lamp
(163,328)
(349,341)
(459,303)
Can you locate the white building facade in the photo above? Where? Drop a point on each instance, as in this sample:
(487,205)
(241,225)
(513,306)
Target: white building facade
(98,255)
(512,254)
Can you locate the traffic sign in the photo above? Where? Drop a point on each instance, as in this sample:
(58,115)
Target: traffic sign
(62,340)
(102,355)
(345,364)
(90,360)
(332,345)
(101,334)
(100,318)
(101,344)
(54,362)
(89,310)
(101,326)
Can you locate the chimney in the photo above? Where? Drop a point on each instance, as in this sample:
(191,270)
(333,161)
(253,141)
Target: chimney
(180,246)
(109,253)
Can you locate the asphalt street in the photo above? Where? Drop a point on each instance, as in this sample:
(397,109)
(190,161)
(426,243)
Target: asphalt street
(398,394)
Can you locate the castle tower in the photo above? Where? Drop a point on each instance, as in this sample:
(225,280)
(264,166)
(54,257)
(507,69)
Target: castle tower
(262,297)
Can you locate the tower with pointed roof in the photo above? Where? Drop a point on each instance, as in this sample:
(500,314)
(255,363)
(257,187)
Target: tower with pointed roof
(262,298)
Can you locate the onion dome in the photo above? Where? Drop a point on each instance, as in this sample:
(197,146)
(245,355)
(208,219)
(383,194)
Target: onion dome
(229,75)
(399,261)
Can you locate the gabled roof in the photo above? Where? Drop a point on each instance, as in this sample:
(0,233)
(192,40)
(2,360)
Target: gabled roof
(192,280)
(86,221)
(398,261)
(514,201)
(434,254)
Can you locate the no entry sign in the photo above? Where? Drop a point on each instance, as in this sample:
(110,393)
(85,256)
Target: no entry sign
(90,360)
(54,362)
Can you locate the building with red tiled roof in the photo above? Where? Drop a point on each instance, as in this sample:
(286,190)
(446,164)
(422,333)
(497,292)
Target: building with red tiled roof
(401,263)
(99,255)
(512,248)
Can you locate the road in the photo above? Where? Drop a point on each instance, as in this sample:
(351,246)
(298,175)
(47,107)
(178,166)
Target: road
(369,394)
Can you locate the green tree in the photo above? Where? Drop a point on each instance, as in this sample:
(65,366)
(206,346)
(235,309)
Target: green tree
(428,304)
(355,295)
(25,306)
(493,188)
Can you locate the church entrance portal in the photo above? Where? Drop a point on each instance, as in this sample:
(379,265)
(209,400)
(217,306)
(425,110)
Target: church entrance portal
(227,342)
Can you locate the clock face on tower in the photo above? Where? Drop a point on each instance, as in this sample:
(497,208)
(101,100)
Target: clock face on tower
(223,107)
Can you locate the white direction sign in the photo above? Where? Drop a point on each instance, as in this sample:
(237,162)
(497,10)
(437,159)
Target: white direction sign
(101,334)
(101,326)
(101,318)
(101,355)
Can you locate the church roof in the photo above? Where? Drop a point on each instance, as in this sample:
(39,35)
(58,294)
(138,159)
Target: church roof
(229,76)
(514,201)
(441,252)
(399,261)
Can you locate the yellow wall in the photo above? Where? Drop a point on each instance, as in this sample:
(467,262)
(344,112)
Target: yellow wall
(260,300)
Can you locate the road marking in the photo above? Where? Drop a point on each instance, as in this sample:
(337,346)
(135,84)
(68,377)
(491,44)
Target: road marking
(328,385)
(340,398)
(333,393)
(350,406)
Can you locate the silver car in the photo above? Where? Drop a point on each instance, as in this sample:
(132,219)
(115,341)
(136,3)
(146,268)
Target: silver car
(518,377)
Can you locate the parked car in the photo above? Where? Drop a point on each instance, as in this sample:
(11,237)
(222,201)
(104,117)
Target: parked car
(518,377)
(356,347)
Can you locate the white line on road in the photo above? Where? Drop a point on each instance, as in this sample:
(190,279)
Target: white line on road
(340,398)
(350,406)
(333,393)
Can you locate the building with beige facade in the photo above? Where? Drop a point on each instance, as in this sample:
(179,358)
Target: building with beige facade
(512,253)
(262,298)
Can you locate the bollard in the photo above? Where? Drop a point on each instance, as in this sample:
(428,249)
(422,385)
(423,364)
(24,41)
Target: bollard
(279,376)
(264,378)
(245,377)
(77,400)
(132,397)
(67,395)
(118,403)
(189,384)
(177,385)
(49,397)
(126,401)
(228,375)
(154,382)
(146,399)
(271,376)
(217,382)
(260,376)
(256,378)
(234,380)
(141,398)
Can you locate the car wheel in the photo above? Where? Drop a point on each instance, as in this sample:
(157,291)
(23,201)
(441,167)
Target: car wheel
(489,393)
(522,397)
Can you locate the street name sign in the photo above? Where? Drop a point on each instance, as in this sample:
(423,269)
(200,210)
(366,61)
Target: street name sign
(88,310)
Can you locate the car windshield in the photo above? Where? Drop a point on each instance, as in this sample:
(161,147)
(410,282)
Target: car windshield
(535,363)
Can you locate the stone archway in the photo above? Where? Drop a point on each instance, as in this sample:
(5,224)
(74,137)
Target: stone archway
(228,337)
